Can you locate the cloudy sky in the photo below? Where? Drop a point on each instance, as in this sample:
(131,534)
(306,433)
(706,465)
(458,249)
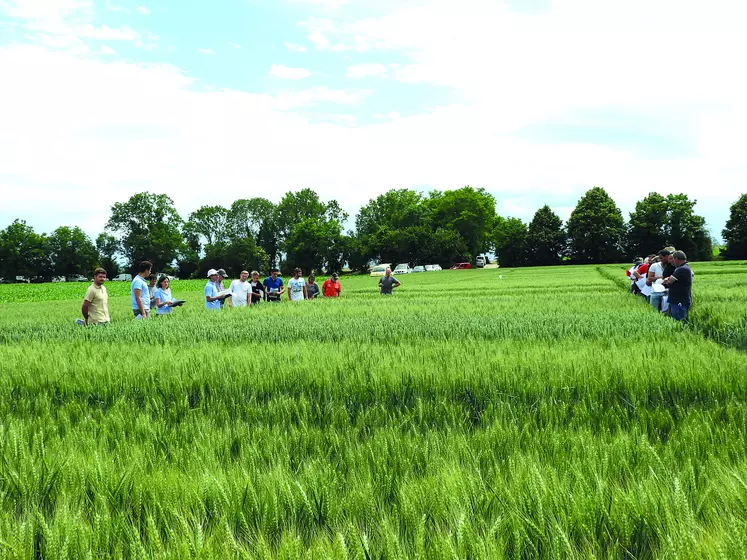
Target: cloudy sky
(209,101)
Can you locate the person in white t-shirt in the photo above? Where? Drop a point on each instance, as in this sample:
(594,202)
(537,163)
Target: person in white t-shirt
(297,287)
(654,283)
(241,291)
(643,285)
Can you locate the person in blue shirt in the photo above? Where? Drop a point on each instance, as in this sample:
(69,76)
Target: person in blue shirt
(212,299)
(163,300)
(140,295)
(274,287)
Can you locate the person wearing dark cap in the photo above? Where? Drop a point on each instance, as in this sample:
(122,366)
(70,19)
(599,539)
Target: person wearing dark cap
(331,286)
(680,287)
(667,270)
(219,286)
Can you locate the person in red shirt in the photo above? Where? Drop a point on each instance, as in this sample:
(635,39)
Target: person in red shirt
(331,286)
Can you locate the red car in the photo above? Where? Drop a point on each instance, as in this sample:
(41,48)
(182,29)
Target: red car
(461,266)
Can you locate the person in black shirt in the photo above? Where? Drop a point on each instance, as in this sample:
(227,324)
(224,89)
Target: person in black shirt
(258,290)
(666,259)
(388,282)
(667,269)
(680,287)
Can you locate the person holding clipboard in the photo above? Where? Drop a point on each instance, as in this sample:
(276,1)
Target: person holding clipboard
(213,298)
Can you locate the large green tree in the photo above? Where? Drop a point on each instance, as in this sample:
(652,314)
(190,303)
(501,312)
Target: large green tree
(647,229)
(256,218)
(393,210)
(687,231)
(23,252)
(302,205)
(234,256)
(393,227)
(309,230)
(313,245)
(71,252)
(469,212)
(211,223)
(443,246)
(149,229)
(107,248)
(510,239)
(735,232)
(188,255)
(596,229)
(546,240)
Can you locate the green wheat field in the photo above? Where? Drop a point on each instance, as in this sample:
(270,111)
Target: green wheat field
(518,413)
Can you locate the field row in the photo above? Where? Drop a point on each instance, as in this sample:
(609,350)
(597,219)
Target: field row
(543,414)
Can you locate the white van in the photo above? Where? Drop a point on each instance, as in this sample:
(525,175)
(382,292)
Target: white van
(480,261)
(380,269)
(122,278)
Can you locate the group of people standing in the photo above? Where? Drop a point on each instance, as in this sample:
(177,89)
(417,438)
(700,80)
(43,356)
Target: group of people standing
(149,294)
(243,292)
(665,280)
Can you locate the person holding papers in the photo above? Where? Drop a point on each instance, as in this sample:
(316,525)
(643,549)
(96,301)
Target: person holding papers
(258,290)
(274,287)
(212,296)
(164,301)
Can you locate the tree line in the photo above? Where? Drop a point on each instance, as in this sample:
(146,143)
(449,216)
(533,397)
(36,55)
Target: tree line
(400,225)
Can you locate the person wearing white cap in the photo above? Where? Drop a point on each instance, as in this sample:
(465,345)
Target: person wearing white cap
(212,299)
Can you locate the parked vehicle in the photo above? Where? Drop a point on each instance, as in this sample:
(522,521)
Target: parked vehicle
(38,280)
(379,269)
(419,269)
(59,279)
(159,274)
(432,267)
(77,278)
(21,280)
(461,266)
(122,278)
(402,268)
(480,261)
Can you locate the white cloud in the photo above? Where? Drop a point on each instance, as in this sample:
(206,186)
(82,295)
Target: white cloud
(66,24)
(143,10)
(319,40)
(504,71)
(295,48)
(327,4)
(288,73)
(106,33)
(206,51)
(391,115)
(146,46)
(235,45)
(363,70)
(107,50)
(116,8)
(311,97)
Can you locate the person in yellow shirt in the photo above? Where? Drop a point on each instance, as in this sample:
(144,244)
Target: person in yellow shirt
(96,302)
